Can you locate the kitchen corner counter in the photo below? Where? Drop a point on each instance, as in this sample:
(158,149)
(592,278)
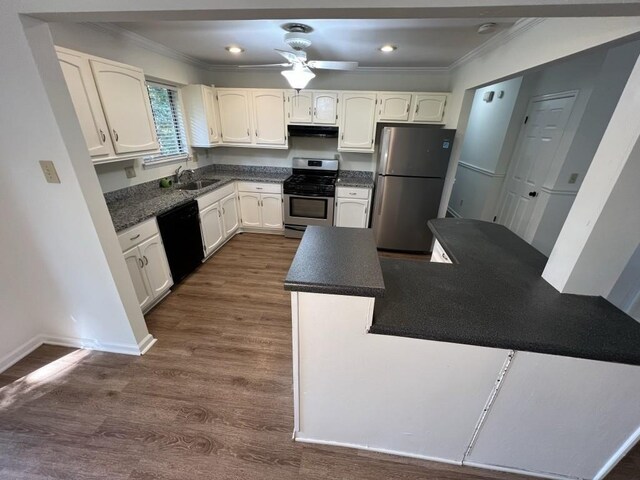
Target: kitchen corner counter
(494,296)
(336,260)
(355,178)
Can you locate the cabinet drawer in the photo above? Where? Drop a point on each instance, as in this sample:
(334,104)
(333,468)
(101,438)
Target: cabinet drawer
(212,197)
(137,234)
(259,187)
(349,192)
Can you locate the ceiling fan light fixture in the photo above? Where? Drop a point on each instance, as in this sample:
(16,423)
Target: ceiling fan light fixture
(299,77)
(234,49)
(388,48)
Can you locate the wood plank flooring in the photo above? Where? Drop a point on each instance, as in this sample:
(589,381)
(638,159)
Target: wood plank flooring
(211,400)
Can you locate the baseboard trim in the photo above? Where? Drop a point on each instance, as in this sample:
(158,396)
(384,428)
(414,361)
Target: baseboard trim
(146,343)
(520,471)
(90,344)
(387,451)
(20,352)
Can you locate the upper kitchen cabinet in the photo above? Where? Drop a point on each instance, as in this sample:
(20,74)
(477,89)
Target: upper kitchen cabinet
(313,107)
(84,95)
(268,117)
(428,107)
(125,100)
(394,107)
(235,118)
(357,122)
(202,115)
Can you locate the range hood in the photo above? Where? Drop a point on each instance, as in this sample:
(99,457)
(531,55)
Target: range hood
(313,131)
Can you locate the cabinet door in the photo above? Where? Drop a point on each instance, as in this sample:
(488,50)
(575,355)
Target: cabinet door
(358,121)
(234,116)
(156,265)
(84,95)
(211,226)
(394,107)
(428,108)
(268,117)
(211,115)
(300,107)
(271,210)
(325,108)
(351,212)
(135,265)
(125,100)
(229,215)
(250,209)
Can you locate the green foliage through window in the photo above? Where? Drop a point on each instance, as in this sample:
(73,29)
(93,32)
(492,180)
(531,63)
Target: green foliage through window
(168,119)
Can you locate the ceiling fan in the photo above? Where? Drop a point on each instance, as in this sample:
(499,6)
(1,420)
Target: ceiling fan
(300,73)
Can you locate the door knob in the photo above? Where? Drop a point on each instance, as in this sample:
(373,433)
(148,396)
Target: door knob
(533,194)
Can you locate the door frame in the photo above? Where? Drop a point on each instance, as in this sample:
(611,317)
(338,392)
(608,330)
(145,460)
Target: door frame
(528,237)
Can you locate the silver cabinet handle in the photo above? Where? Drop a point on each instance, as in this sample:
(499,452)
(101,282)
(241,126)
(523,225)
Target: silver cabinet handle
(352,193)
(133,238)
(417,108)
(256,132)
(309,111)
(104,137)
(248,132)
(258,188)
(115,134)
(211,130)
(141,263)
(218,213)
(146,260)
(223,210)
(342,136)
(315,112)
(407,108)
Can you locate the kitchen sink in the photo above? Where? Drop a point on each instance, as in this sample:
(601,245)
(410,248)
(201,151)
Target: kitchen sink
(197,185)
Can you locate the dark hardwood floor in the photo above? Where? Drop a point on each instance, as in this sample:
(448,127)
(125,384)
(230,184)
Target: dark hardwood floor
(211,400)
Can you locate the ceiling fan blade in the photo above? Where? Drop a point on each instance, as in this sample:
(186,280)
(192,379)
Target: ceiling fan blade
(292,57)
(327,65)
(266,65)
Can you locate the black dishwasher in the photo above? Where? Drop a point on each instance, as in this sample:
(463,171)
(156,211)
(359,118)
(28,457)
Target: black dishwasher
(180,231)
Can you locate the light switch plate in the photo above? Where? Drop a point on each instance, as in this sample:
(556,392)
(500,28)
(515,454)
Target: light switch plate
(49,170)
(130,172)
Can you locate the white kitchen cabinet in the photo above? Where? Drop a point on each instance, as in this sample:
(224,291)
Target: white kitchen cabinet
(260,205)
(212,228)
(300,107)
(316,107)
(250,209)
(125,100)
(352,207)
(394,107)
(357,121)
(271,206)
(147,263)
(230,220)
(201,115)
(86,102)
(235,118)
(268,117)
(428,107)
(325,108)
(438,255)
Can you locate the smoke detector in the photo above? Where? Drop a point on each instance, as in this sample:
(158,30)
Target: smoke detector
(296,36)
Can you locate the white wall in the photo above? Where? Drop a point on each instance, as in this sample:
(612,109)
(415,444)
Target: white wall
(58,279)
(625,294)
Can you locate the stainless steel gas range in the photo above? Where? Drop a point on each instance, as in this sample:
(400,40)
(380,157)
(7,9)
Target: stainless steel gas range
(309,195)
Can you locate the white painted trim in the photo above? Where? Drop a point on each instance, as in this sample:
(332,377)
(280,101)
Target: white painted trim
(453,212)
(618,455)
(376,449)
(295,340)
(19,353)
(146,343)
(553,191)
(497,40)
(483,171)
(72,342)
(500,468)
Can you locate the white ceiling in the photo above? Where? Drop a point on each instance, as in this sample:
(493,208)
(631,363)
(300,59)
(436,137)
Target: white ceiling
(421,42)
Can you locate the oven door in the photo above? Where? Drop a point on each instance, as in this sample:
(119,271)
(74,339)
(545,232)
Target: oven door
(302,210)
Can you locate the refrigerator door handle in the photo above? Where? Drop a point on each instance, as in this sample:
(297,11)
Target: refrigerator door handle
(384,150)
(377,202)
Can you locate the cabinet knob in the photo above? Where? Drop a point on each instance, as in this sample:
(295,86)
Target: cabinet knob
(104,137)
(134,237)
(115,134)
(248,132)
(146,260)
(141,263)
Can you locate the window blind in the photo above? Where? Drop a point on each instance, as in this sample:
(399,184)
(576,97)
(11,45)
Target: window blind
(167,116)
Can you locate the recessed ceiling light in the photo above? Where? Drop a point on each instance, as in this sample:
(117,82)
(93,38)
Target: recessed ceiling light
(234,49)
(388,48)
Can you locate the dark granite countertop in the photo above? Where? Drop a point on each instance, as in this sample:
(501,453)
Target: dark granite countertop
(336,260)
(494,296)
(355,178)
(132,205)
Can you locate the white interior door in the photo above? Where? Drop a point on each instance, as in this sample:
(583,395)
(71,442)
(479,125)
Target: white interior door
(250,209)
(271,210)
(234,116)
(325,108)
(86,102)
(229,214)
(125,99)
(538,142)
(268,114)
(135,265)
(211,225)
(300,107)
(156,265)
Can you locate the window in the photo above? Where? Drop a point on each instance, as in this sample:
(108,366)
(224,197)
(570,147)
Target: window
(169,126)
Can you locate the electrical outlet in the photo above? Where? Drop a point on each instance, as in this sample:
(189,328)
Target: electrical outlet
(49,170)
(573,178)
(130,172)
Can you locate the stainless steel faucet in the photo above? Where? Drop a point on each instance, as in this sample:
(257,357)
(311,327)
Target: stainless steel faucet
(178,174)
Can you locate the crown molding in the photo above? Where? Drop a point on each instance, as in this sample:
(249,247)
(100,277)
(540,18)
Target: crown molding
(497,40)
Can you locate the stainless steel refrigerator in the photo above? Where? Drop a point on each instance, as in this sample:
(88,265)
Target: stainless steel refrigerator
(412,165)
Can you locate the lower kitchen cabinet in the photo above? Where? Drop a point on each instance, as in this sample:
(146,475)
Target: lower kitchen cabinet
(352,207)
(218,217)
(212,228)
(260,205)
(230,220)
(271,207)
(147,262)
